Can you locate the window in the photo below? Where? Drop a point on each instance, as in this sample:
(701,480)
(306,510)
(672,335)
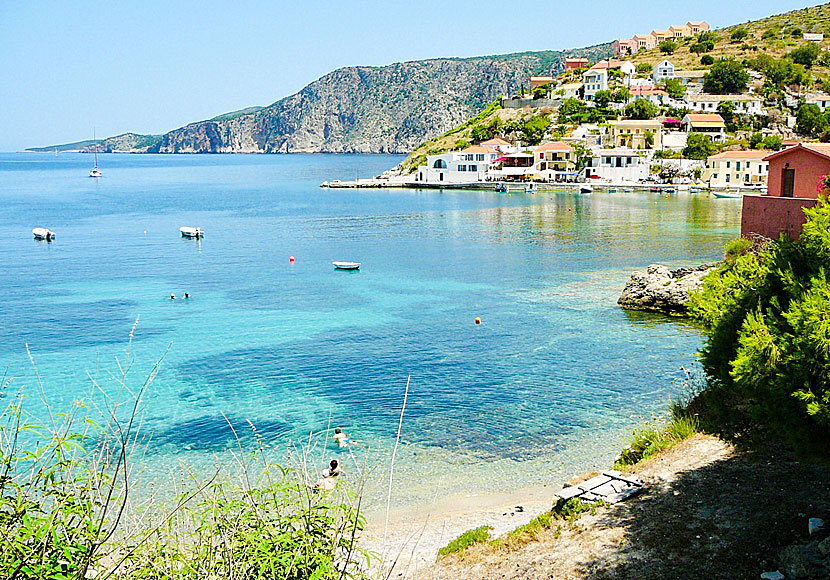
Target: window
(727,175)
(728,162)
(738,164)
(480,157)
(462,168)
(439,164)
(473,168)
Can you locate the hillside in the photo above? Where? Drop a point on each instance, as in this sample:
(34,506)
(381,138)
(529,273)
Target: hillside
(388,109)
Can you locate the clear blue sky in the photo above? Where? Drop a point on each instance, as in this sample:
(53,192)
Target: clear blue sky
(150,66)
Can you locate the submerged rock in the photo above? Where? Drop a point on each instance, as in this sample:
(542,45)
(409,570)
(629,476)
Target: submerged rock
(661,289)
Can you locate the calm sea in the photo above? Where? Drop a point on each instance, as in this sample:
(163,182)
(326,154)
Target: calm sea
(548,382)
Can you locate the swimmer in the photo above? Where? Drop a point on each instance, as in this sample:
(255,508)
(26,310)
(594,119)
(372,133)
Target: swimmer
(326,481)
(341,438)
(172,297)
(334,468)
(186,295)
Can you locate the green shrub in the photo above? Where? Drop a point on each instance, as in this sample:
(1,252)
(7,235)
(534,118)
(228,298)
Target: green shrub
(737,247)
(564,511)
(467,539)
(652,438)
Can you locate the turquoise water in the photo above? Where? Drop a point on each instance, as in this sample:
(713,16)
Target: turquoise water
(552,376)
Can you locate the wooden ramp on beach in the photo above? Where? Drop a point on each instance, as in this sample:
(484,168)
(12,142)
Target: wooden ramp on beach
(609,487)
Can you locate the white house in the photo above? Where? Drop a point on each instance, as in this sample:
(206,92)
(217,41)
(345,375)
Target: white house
(569,90)
(744,104)
(466,166)
(663,71)
(554,161)
(823,101)
(732,168)
(617,165)
(500,145)
(595,80)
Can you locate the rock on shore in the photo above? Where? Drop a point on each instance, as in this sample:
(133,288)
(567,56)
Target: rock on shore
(661,289)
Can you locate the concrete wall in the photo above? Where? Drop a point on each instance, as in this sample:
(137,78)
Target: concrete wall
(808,166)
(771,216)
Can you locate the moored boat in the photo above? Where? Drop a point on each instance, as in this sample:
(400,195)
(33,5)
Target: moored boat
(191,232)
(346,265)
(501,188)
(586,188)
(43,234)
(727,194)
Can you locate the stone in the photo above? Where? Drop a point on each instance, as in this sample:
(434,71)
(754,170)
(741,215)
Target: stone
(662,289)
(824,546)
(814,525)
(776,575)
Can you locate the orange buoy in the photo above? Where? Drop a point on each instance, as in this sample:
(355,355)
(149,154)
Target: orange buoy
(478,320)
(291,259)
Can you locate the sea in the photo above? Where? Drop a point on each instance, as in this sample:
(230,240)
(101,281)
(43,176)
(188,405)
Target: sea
(270,353)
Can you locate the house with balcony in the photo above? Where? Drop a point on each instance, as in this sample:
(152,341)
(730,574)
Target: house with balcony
(681,31)
(517,166)
(661,35)
(594,80)
(795,174)
(691,79)
(696,27)
(644,41)
(626,67)
(500,145)
(736,169)
(663,71)
(745,104)
(616,166)
(466,166)
(707,124)
(636,134)
(555,161)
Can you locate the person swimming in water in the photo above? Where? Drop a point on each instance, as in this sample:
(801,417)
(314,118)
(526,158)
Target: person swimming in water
(341,438)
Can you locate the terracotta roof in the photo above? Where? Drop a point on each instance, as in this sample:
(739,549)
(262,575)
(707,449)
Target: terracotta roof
(604,64)
(615,152)
(741,155)
(704,119)
(478,149)
(821,149)
(819,98)
(576,59)
(636,123)
(641,91)
(554,146)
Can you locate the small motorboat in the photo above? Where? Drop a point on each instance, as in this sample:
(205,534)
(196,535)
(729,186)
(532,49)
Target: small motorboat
(628,190)
(501,188)
(43,234)
(612,190)
(586,188)
(654,189)
(727,194)
(670,190)
(190,232)
(530,188)
(694,189)
(346,265)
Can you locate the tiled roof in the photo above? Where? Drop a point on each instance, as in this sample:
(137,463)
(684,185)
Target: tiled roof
(702,119)
(554,146)
(741,155)
(478,149)
(495,142)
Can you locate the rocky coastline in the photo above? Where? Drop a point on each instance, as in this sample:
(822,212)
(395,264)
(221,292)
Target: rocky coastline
(661,289)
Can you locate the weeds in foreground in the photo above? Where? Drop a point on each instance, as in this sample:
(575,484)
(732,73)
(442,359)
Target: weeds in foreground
(467,539)
(658,436)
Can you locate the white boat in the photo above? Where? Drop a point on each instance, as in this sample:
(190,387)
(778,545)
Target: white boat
(727,194)
(694,189)
(628,190)
(190,232)
(531,188)
(346,265)
(586,188)
(43,234)
(95,172)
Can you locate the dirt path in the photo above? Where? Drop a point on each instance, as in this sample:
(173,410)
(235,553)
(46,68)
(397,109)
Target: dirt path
(707,512)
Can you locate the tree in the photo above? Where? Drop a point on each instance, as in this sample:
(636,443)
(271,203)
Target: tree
(641,109)
(570,110)
(644,68)
(542,91)
(805,55)
(621,95)
(809,120)
(701,47)
(533,129)
(602,98)
(706,59)
(739,34)
(581,154)
(772,142)
(726,109)
(668,46)
(649,138)
(675,88)
(755,140)
(726,76)
(699,146)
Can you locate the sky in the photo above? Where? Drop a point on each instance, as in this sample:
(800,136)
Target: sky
(71,68)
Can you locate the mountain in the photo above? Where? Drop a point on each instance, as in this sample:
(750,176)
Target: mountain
(389,109)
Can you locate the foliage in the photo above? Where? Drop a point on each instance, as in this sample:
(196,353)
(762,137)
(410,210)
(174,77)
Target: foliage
(772,142)
(737,247)
(699,146)
(621,95)
(805,55)
(641,109)
(675,88)
(768,348)
(644,68)
(567,511)
(602,98)
(667,47)
(467,539)
(707,59)
(484,132)
(705,43)
(810,120)
(656,436)
(542,91)
(531,130)
(725,77)
(571,110)
(755,141)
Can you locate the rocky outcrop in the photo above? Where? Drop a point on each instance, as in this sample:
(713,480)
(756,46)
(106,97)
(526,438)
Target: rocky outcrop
(661,289)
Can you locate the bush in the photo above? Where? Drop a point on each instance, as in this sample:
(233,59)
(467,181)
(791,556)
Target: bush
(668,47)
(736,247)
(804,55)
(726,76)
(655,437)
(641,109)
(644,68)
(467,539)
(699,146)
(772,142)
(767,353)
(769,34)
(739,34)
(707,59)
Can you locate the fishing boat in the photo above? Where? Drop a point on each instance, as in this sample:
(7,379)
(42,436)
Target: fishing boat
(190,232)
(586,188)
(43,234)
(95,171)
(727,194)
(346,265)
(654,189)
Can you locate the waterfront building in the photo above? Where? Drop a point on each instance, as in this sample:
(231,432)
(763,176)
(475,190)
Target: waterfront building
(500,145)
(635,134)
(617,165)
(554,161)
(736,168)
(708,124)
(795,175)
(466,166)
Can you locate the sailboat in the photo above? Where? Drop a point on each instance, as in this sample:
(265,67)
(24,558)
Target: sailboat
(95,172)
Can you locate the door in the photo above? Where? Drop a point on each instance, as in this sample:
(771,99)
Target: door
(787,182)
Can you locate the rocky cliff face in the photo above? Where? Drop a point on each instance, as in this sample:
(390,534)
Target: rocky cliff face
(387,109)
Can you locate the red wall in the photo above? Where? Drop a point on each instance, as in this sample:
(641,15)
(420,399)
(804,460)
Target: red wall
(770,215)
(809,167)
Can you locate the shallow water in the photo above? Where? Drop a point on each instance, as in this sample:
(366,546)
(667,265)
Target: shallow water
(546,384)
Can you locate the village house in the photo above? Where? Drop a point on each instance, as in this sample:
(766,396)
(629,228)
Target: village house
(691,79)
(698,27)
(624,46)
(644,41)
(500,145)
(512,167)
(569,90)
(736,168)
(636,134)
(744,104)
(594,80)
(539,81)
(823,101)
(661,35)
(707,124)
(681,31)
(576,63)
(554,161)
(663,71)
(653,95)
(795,174)
(465,166)
(626,67)
(616,166)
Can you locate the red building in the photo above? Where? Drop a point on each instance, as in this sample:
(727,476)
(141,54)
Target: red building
(576,63)
(794,176)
